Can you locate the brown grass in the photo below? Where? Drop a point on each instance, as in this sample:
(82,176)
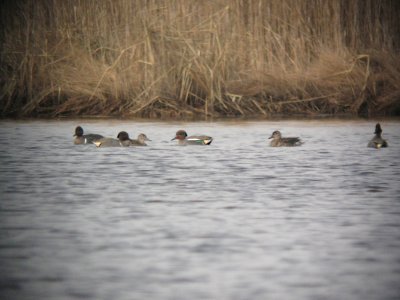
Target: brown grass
(183,59)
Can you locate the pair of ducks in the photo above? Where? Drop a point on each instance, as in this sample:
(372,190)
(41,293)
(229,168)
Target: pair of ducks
(122,140)
(183,139)
(278,141)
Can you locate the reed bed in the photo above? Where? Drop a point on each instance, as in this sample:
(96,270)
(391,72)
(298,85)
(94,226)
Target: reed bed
(199,59)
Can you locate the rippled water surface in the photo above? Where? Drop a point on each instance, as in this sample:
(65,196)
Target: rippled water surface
(234,220)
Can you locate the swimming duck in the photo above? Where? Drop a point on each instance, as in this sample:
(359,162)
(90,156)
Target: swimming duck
(141,140)
(80,138)
(184,139)
(377,141)
(279,141)
(122,140)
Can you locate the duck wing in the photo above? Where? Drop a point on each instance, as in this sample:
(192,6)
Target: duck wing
(107,142)
(90,138)
(199,140)
(292,141)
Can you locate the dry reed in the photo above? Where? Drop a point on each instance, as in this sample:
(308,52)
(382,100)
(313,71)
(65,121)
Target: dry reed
(183,59)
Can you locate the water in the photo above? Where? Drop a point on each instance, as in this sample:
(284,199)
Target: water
(234,220)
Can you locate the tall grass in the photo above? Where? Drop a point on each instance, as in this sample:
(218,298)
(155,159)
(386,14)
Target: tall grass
(188,58)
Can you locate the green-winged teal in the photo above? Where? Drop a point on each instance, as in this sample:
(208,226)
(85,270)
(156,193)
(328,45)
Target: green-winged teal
(279,141)
(377,141)
(141,140)
(184,139)
(81,138)
(122,140)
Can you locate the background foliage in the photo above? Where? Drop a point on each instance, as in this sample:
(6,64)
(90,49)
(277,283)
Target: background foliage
(188,58)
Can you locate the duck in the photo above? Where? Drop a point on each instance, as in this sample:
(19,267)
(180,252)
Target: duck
(184,139)
(377,141)
(81,138)
(279,141)
(140,141)
(122,140)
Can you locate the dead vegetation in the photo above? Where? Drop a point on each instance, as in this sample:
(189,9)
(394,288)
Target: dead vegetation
(190,59)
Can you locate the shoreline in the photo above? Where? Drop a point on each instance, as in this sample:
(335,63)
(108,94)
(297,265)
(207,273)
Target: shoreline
(289,118)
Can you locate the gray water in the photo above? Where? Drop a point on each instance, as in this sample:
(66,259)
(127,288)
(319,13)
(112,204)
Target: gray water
(234,220)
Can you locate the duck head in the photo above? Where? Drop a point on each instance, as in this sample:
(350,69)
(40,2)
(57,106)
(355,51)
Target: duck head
(180,135)
(275,135)
(123,136)
(378,129)
(78,131)
(142,138)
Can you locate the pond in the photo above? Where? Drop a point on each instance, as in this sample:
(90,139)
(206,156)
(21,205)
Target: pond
(233,220)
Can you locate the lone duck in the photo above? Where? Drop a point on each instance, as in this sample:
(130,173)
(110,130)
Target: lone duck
(377,141)
(80,138)
(279,141)
(141,140)
(184,139)
(122,140)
